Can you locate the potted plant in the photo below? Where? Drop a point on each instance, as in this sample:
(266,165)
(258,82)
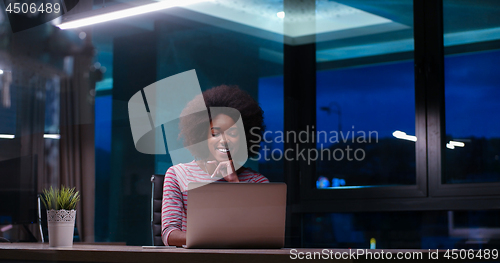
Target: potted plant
(61,212)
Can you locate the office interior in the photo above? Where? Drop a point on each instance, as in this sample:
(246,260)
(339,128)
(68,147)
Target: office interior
(399,100)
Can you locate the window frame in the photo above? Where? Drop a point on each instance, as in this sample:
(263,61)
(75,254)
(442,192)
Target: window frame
(428,193)
(436,187)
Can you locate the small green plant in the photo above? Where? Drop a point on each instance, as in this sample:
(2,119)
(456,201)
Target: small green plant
(57,199)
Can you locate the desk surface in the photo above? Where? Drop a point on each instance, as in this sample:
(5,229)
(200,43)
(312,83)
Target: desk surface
(36,252)
(113,253)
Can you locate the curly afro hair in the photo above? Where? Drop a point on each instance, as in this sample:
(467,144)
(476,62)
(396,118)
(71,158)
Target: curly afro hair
(194,122)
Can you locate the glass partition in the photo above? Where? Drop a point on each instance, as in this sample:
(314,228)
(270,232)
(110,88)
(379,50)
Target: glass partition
(365,97)
(472,89)
(244,50)
(403,230)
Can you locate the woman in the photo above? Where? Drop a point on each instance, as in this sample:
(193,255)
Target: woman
(214,142)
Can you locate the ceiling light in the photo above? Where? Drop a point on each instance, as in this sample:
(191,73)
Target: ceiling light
(126,13)
(1,72)
(7,136)
(456,144)
(281,14)
(404,136)
(52,136)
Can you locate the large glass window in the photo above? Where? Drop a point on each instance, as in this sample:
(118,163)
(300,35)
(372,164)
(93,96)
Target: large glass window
(8,105)
(472,89)
(146,49)
(365,100)
(271,102)
(362,111)
(404,229)
(103,106)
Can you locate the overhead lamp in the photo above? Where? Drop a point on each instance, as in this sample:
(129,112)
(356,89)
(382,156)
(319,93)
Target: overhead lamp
(45,136)
(143,9)
(457,144)
(404,136)
(280,14)
(453,144)
(52,136)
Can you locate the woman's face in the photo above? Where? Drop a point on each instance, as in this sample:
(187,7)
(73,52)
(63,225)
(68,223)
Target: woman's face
(223,124)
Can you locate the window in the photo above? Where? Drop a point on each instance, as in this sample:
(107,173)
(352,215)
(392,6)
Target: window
(362,113)
(472,90)
(271,101)
(403,229)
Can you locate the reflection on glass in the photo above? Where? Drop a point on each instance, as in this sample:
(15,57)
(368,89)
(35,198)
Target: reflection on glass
(404,229)
(365,97)
(271,102)
(223,42)
(363,114)
(8,105)
(472,146)
(103,107)
(470,21)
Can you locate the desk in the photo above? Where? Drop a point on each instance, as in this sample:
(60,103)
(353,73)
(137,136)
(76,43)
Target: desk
(38,252)
(112,253)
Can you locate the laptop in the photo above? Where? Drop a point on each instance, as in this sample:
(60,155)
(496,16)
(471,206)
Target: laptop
(236,215)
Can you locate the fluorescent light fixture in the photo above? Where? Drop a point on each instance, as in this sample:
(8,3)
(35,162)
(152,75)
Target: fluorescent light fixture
(281,14)
(450,146)
(365,50)
(46,136)
(404,136)
(52,136)
(1,72)
(143,9)
(456,144)
(472,36)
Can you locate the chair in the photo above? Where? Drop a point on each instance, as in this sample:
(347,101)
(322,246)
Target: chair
(156,199)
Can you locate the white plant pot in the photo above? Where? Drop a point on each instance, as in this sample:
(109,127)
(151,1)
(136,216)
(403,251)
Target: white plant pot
(61,227)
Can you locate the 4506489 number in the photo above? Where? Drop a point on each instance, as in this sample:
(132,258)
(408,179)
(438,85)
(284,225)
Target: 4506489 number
(471,254)
(33,8)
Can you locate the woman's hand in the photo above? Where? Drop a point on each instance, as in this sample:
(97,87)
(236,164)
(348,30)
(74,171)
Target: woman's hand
(177,238)
(226,170)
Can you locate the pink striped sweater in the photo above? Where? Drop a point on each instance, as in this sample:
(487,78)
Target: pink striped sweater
(174,203)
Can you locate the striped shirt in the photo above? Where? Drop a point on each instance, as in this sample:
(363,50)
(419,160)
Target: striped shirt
(174,203)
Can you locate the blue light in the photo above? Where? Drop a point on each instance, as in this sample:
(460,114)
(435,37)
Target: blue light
(336,182)
(322,182)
